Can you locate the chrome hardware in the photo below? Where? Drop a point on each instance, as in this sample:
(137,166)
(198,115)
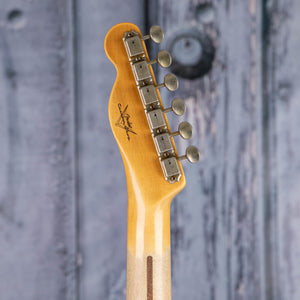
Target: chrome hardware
(141,71)
(152,105)
(170,82)
(185,130)
(163,144)
(171,169)
(149,96)
(192,154)
(177,106)
(164,59)
(156,34)
(133,44)
(156,120)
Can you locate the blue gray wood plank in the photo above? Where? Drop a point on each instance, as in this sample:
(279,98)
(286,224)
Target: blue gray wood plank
(281,148)
(102,181)
(235,226)
(37,203)
(217,222)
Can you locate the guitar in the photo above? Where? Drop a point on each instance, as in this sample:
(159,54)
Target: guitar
(152,165)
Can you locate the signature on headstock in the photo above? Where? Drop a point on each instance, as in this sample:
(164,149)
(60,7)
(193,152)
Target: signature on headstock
(123,121)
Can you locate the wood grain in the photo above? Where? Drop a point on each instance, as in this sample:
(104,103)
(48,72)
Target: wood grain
(282,142)
(217,240)
(102,182)
(37,201)
(149,194)
(234,228)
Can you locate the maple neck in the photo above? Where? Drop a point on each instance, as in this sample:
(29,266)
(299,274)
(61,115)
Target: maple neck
(148,251)
(152,165)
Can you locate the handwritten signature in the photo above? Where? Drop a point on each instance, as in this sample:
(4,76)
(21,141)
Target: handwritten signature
(123,121)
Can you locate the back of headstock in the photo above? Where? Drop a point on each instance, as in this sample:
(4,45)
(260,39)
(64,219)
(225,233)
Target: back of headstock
(153,168)
(138,117)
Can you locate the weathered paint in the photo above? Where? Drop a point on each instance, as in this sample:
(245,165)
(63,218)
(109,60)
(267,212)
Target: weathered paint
(62,185)
(217,221)
(102,183)
(37,179)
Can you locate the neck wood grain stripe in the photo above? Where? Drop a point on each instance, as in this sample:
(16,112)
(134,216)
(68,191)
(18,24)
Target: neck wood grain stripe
(149,278)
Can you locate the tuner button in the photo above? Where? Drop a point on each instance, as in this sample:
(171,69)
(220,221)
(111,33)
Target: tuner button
(185,130)
(192,154)
(163,59)
(156,34)
(170,82)
(177,106)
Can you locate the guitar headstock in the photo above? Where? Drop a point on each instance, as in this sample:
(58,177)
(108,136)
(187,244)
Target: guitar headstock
(138,117)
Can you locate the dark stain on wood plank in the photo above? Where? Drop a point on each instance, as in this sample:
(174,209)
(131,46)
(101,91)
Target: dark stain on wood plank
(226,203)
(8,199)
(268,125)
(210,229)
(228,2)
(38,158)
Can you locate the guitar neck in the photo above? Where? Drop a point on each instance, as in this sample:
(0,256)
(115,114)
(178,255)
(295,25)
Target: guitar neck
(152,165)
(148,251)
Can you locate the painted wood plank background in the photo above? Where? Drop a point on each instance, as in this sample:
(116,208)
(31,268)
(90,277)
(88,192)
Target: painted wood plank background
(282,143)
(37,178)
(103,210)
(235,228)
(217,219)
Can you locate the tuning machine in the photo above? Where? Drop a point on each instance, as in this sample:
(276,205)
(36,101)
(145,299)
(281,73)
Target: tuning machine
(164,59)
(192,154)
(162,140)
(156,34)
(142,72)
(177,106)
(155,113)
(185,130)
(133,42)
(170,165)
(170,83)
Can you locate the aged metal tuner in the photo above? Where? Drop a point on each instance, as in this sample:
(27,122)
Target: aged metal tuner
(152,104)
